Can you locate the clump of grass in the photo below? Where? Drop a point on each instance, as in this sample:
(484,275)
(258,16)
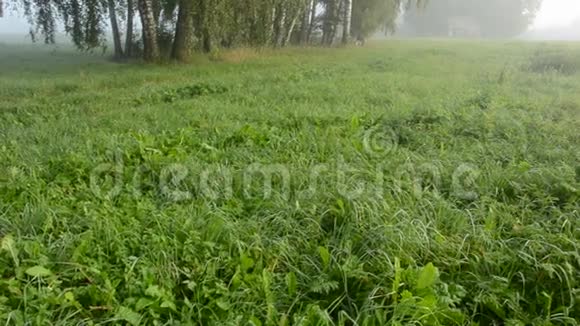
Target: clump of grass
(559,62)
(382,65)
(171,95)
(239,55)
(188,92)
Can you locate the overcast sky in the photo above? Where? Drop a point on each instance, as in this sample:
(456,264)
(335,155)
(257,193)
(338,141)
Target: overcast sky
(554,13)
(557,13)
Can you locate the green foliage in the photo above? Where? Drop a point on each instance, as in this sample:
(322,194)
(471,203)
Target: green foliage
(554,62)
(370,16)
(207,24)
(469,214)
(189,92)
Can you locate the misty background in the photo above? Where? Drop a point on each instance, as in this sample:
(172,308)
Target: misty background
(556,20)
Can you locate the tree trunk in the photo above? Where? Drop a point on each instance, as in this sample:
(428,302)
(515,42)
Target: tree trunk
(305,27)
(157,8)
(183,32)
(129,36)
(291,29)
(346,22)
(336,20)
(207,44)
(202,25)
(279,22)
(272,27)
(115,28)
(330,22)
(150,41)
(1,8)
(312,21)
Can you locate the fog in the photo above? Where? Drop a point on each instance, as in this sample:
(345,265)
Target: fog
(557,14)
(556,20)
(12,23)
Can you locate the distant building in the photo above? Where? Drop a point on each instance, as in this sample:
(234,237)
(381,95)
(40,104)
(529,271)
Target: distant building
(463,26)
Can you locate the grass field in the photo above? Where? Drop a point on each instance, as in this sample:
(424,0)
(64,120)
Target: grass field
(405,183)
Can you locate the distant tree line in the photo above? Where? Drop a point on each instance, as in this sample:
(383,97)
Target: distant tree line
(154,29)
(495,18)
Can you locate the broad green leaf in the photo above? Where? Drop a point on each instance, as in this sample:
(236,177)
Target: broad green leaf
(69,296)
(128,315)
(397,281)
(255,321)
(236,279)
(223,304)
(406,295)
(154,291)
(267,281)
(169,305)
(143,303)
(355,122)
(9,245)
(324,255)
(38,271)
(340,205)
(246,262)
(291,283)
(283,320)
(427,277)
(429,302)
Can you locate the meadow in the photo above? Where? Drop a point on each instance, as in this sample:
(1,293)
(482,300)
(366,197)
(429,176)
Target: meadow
(404,183)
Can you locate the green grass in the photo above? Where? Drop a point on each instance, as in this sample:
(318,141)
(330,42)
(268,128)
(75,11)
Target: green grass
(423,183)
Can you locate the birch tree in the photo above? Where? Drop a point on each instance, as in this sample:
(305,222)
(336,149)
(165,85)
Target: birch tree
(175,28)
(182,46)
(347,21)
(118,47)
(129,29)
(149,25)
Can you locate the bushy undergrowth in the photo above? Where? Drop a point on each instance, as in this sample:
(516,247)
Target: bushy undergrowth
(544,61)
(394,185)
